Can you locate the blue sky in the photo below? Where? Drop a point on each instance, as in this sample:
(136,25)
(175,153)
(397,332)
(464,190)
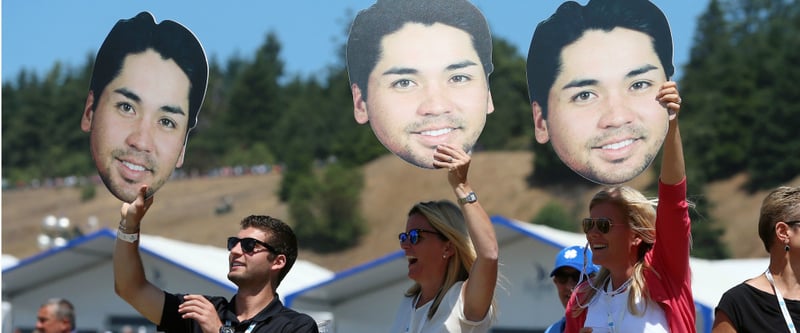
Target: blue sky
(37,33)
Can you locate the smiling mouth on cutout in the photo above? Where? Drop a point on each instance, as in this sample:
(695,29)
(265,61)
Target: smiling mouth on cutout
(132,171)
(134,167)
(436,132)
(433,136)
(618,145)
(617,150)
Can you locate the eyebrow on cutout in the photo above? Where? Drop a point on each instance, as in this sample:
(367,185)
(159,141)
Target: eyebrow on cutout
(134,97)
(590,82)
(400,71)
(640,71)
(449,68)
(579,83)
(460,65)
(173,109)
(128,94)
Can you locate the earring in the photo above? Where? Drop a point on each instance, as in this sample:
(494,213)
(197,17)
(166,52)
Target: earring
(786,247)
(444,256)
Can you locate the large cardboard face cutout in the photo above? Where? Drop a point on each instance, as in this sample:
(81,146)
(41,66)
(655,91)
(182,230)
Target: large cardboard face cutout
(419,75)
(147,86)
(594,73)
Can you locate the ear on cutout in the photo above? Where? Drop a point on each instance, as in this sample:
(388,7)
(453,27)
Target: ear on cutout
(179,162)
(88,113)
(359,105)
(539,123)
(490,105)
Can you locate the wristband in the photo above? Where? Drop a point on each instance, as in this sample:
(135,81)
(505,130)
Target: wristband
(130,238)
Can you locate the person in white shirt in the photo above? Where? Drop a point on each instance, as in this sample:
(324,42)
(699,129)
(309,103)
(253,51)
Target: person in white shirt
(452,258)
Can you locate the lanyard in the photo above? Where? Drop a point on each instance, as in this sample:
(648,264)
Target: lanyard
(610,322)
(612,327)
(249,328)
(781,303)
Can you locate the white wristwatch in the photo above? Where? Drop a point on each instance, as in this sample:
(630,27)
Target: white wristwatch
(130,238)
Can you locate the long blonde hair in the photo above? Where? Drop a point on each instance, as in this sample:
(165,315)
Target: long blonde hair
(641,214)
(446,218)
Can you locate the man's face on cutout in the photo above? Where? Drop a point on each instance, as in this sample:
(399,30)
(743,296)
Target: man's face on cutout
(604,121)
(428,88)
(139,124)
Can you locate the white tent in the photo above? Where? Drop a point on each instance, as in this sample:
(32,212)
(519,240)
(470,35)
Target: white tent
(81,271)
(365,298)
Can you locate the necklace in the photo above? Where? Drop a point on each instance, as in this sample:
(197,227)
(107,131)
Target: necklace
(620,290)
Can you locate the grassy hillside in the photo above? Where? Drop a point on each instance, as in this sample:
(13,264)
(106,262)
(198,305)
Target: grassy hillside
(184,209)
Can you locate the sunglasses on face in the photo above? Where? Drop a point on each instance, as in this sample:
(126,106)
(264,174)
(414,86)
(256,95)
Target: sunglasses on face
(248,244)
(603,224)
(413,235)
(564,278)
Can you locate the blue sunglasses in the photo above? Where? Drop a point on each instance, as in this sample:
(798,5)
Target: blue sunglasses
(413,235)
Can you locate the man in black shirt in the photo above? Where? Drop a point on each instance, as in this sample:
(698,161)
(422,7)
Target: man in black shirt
(261,255)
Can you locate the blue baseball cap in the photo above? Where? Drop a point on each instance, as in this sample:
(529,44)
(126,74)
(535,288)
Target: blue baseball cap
(573,257)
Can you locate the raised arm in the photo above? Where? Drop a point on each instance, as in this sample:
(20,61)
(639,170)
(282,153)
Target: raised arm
(130,282)
(673,169)
(479,288)
(673,239)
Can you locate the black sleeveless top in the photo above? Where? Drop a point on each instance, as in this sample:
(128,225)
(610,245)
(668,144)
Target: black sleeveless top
(753,310)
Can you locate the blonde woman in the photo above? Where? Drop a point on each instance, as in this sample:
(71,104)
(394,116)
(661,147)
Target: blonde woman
(644,284)
(452,258)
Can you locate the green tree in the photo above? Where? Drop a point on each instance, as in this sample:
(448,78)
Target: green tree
(41,124)
(510,127)
(706,234)
(556,216)
(256,102)
(549,170)
(299,130)
(712,120)
(325,211)
(738,92)
(207,146)
(352,144)
(776,51)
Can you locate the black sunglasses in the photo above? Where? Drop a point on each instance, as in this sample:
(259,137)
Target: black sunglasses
(413,235)
(563,278)
(603,224)
(792,223)
(249,244)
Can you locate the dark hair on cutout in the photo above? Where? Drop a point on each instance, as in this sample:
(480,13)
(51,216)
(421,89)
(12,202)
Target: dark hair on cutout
(170,39)
(388,16)
(571,21)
